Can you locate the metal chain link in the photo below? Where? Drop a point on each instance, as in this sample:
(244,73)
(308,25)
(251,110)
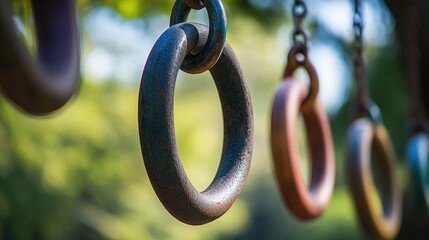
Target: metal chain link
(299,12)
(362,97)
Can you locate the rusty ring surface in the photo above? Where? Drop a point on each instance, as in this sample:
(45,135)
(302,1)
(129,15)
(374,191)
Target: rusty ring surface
(157,133)
(305,203)
(42,86)
(204,57)
(364,135)
(293,64)
(418,161)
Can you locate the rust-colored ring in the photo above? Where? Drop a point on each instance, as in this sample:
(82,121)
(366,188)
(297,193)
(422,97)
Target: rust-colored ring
(362,135)
(304,203)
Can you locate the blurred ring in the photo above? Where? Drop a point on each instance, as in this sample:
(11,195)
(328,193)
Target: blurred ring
(362,136)
(304,203)
(42,86)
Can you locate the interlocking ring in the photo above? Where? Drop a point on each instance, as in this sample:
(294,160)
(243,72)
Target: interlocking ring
(294,63)
(42,86)
(157,133)
(364,135)
(418,161)
(305,203)
(200,60)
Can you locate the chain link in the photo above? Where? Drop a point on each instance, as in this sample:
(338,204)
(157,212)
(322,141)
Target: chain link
(299,12)
(363,100)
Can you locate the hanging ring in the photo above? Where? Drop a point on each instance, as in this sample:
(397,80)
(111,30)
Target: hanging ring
(304,203)
(42,86)
(363,135)
(418,161)
(157,133)
(200,60)
(298,57)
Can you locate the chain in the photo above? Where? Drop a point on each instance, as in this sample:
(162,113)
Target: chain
(413,59)
(359,64)
(299,12)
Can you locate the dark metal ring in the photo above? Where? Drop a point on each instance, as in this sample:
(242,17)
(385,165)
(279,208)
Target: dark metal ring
(418,161)
(363,135)
(293,63)
(304,203)
(157,133)
(46,85)
(203,58)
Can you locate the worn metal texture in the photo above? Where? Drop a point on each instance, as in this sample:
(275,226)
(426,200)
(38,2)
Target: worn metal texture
(305,203)
(364,136)
(204,59)
(46,84)
(157,133)
(418,162)
(195,4)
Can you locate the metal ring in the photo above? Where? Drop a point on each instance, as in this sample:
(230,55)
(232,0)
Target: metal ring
(42,86)
(304,203)
(293,64)
(203,58)
(157,133)
(362,136)
(418,161)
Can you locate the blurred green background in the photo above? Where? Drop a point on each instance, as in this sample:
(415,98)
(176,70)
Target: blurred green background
(79,173)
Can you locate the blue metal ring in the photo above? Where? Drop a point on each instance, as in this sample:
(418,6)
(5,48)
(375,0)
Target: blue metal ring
(201,61)
(42,86)
(157,133)
(418,161)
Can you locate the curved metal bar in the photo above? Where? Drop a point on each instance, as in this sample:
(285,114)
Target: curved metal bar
(42,86)
(304,203)
(157,133)
(418,162)
(362,136)
(201,60)
(294,63)
(195,4)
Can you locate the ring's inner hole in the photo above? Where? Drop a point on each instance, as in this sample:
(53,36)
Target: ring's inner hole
(376,193)
(300,73)
(303,151)
(199,16)
(199,127)
(22,14)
